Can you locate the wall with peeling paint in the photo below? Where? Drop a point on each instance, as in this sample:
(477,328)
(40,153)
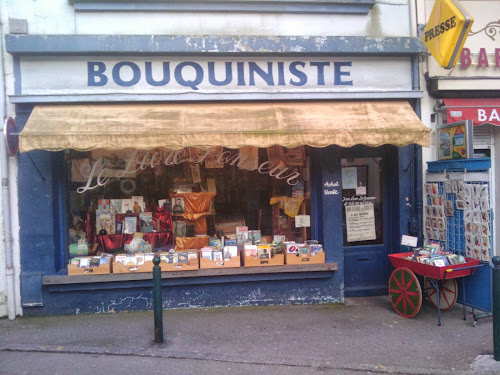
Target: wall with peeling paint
(189,296)
(387,18)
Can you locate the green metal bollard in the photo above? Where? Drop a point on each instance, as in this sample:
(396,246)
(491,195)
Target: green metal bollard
(496,308)
(157,300)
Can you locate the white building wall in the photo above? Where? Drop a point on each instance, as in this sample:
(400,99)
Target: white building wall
(58,17)
(387,18)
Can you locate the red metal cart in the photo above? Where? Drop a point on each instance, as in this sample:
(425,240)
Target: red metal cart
(440,285)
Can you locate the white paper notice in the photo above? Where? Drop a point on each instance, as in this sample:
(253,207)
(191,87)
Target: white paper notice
(361,190)
(360,221)
(409,241)
(349,178)
(302,221)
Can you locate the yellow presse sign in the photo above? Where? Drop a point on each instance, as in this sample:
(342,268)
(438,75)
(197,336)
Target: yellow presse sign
(446,31)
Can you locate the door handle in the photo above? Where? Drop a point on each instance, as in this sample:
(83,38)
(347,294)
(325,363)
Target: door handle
(363,259)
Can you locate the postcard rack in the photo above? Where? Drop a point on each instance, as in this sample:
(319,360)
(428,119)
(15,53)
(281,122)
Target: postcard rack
(458,215)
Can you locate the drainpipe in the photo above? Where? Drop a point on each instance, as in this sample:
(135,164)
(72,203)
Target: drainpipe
(4,165)
(9,258)
(416,219)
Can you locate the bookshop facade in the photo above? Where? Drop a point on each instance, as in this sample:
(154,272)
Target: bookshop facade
(261,178)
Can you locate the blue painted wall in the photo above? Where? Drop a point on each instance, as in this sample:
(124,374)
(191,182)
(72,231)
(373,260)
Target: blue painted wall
(36,214)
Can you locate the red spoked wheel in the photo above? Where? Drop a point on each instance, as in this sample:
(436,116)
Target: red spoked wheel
(448,291)
(405,292)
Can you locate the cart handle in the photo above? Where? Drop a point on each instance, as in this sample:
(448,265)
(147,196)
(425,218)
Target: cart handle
(450,270)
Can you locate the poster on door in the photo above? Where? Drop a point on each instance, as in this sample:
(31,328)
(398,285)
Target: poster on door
(360,221)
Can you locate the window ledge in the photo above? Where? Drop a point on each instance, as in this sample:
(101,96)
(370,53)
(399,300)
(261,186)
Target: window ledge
(60,283)
(257,6)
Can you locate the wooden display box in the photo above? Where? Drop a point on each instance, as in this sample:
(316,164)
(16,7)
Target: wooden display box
(277,260)
(294,259)
(234,262)
(191,265)
(121,268)
(103,269)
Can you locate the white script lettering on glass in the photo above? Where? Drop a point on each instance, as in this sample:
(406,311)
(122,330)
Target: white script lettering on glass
(331,184)
(140,160)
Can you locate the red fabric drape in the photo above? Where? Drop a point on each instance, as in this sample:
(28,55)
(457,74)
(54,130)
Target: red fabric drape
(117,241)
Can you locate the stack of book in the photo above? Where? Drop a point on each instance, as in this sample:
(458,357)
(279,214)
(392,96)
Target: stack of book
(433,254)
(178,257)
(215,254)
(89,262)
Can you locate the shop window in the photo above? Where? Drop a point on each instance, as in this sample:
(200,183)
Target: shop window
(362,200)
(114,196)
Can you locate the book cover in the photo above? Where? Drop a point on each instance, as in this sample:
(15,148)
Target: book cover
(206,253)
(146,220)
(119,227)
(115,206)
(217,255)
(140,259)
(103,204)
(130,225)
(232,249)
(104,221)
(137,204)
(179,228)
(254,236)
(241,234)
(298,189)
(192,255)
(178,207)
(126,206)
(183,257)
(292,247)
(84,262)
(263,252)
(120,259)
(190,230)
(250,250)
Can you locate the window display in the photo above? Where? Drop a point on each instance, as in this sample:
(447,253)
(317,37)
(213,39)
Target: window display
(215,203)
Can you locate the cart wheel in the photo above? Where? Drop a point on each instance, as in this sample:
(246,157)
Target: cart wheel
(448,292)
(405,292)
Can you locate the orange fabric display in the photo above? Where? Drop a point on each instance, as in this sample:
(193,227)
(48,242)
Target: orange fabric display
(196,205)
(291,205)
(200,225)
(182,243)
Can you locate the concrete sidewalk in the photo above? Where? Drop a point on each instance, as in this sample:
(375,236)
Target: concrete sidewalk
(364,335)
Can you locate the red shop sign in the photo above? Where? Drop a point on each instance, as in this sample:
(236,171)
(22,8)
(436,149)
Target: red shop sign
(480,111)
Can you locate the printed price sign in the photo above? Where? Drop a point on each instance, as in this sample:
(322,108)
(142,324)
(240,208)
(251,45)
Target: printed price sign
(302,221)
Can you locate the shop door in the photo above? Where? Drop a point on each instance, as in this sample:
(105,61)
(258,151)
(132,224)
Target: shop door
(366,223)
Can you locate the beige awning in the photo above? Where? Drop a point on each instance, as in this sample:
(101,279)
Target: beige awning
(232,125)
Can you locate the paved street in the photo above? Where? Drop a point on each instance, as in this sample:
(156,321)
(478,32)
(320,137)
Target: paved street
(363,336)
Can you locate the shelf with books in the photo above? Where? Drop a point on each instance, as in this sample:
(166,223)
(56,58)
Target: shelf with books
(87,265)
(61,283)
(214,257)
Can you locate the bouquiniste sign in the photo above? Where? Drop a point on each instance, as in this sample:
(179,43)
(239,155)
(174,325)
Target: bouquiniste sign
(446,31)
